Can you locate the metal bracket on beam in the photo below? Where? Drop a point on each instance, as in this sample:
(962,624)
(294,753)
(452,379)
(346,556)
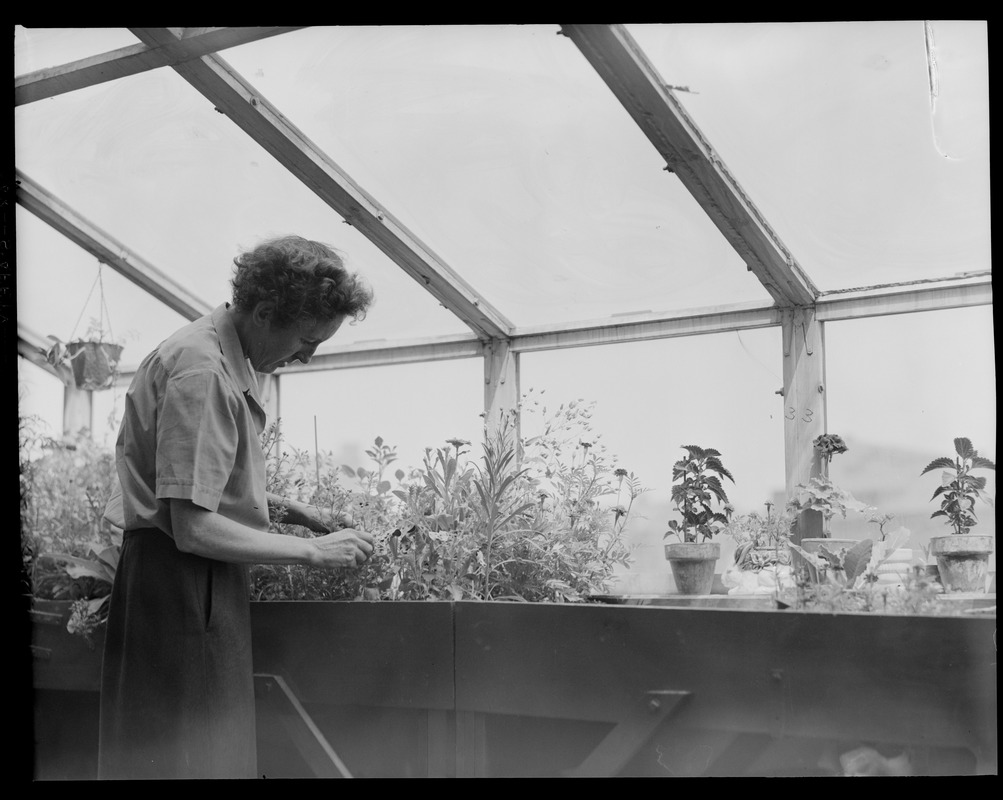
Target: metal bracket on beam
(794,322)
(629,735)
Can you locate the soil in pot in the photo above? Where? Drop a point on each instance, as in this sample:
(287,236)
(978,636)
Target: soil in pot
(693,565)
(962,561)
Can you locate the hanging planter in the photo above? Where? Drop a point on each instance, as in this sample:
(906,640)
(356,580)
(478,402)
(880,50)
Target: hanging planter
(91,361)
(92,364)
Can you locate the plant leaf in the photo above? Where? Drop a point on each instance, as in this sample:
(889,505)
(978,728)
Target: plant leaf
(964,448)
(938,463)
(856,560)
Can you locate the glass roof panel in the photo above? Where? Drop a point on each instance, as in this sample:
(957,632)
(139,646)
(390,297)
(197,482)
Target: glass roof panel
(148,160)
(42,48)
(501,149)
(865,144)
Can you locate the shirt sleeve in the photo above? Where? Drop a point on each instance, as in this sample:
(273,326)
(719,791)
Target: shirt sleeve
(197,439)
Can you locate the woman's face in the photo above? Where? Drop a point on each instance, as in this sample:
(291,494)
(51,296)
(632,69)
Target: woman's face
(282,345)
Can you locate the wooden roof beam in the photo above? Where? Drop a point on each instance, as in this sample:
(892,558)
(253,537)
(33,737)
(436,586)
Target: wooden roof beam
(194,43)
(236,98)
(106,249)
(619,61)
(32,346)
(645,326)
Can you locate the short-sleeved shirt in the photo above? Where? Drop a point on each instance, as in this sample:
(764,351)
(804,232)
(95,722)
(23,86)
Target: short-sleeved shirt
(191,430)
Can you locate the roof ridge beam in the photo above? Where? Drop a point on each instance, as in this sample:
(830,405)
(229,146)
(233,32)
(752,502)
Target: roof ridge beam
(132,60)
(635,82)
(106,249)
(232,95)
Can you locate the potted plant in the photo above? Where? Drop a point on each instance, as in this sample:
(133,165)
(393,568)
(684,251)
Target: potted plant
(762,540)
(696,490)
(90,361)
(962,556)
(762,551)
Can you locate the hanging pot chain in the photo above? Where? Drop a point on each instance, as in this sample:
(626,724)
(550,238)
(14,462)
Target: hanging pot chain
(104,316)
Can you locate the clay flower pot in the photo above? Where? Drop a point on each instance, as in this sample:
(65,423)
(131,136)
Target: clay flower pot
(962,560)
(693,565)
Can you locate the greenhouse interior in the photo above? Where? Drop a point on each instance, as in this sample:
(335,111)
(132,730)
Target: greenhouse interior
(639,291)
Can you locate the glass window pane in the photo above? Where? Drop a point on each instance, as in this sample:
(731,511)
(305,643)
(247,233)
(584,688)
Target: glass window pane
(900,390)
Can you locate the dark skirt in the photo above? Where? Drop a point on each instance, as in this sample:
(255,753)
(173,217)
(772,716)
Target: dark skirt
(177,685)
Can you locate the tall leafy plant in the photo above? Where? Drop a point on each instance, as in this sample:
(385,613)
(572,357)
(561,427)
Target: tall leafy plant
(696,489)
(959,489)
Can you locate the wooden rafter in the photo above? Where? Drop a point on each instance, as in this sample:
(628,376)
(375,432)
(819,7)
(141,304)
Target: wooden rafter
(32,346)
(645,327)
(236,98)
(106,249)
(619,61)
(125,61)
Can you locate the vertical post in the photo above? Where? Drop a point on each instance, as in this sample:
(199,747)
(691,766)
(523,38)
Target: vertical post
(804,405)
(501,383)
(78,410)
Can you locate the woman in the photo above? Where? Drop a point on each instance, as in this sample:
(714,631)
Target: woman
(177,694)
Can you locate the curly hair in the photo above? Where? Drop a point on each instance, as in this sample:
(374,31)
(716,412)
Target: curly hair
(303,278)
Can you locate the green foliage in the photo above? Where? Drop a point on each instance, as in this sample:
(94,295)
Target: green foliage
(761,539)
(696,488)
(916,596)
(525,521)
(852,567)
(821,494)
(68,550)
(959,489)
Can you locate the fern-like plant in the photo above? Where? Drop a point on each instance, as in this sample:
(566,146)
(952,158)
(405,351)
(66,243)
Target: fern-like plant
(959,489)
(696,486)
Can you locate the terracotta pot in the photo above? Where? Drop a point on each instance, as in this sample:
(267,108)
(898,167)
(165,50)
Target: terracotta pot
(693,565)
(962,560)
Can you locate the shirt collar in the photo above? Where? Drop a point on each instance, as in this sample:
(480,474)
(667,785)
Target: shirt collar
(233,353)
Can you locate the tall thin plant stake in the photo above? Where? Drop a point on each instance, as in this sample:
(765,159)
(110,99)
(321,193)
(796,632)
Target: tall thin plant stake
(316,463)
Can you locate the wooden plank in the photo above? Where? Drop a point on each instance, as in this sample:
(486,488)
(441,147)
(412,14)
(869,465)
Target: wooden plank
(848,676)
(644,327)
(397,655)
(471,745)
(276,697)
(619,61)
(639,327)
(441,753)
(382,352)
(32,346)
(622,743)
(907,299)
(501,384)
(107,250)
(132,60)
(243,104)
(804,406)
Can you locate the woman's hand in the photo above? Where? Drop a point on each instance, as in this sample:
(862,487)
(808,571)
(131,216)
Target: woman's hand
(328,522)
(341,549)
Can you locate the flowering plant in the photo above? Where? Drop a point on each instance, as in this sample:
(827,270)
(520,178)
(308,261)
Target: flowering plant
(829,444)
